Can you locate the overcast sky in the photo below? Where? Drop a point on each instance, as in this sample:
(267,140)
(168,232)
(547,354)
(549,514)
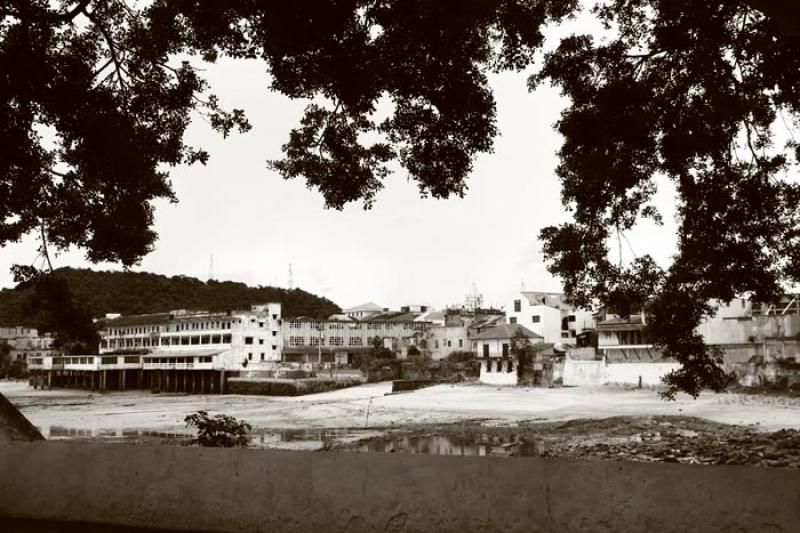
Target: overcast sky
(406,250)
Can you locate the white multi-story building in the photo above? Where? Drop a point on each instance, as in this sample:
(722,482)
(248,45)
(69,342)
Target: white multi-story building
(308,340)
(550,315)
(235,340)
(26,344)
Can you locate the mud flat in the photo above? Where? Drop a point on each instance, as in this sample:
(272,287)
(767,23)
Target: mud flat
(358,414)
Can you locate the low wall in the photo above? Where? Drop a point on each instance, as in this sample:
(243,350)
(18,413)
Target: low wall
(284,387)
(629,373)
(214,489)
(583,373)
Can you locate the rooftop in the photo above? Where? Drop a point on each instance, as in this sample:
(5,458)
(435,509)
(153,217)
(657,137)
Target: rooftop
(506,331)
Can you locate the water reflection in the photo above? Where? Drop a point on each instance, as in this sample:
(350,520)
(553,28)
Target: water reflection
(311,439)
(356,440)
(481,445)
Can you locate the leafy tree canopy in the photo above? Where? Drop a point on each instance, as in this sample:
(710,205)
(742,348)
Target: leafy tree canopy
(687,90)
(65,301)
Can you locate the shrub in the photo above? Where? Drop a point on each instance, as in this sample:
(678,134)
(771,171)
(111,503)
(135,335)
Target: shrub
(218,430)
(460,356)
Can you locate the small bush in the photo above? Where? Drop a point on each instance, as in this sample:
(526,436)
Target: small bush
(460,356)
(218,430)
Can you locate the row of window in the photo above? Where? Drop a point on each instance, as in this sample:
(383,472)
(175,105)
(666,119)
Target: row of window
(498,365)
(174,360)
(186,340)
(375,326)
(296,340)
(447,343)
(182,326)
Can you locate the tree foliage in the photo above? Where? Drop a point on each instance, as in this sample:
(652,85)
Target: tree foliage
(98,95)
(692,91)
(219,430)
(69,298)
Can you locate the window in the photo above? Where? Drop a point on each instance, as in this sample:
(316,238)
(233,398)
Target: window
(274,317)
(226,339)
(132,359)
(571,318)
(108,360)
(460,343)
(274,333)
(250,356)
(488,366)
(536,319)
(336,341)
(486,350)
(449,344)
(436,343)
(262,356)
(498,365)
(505,349)
(248,340)
(517,306)
(195,339)
(510,366)
(565,334)
(512,320)
(205,339)
(215,339)
(261,324)
(274,347)
(354,341)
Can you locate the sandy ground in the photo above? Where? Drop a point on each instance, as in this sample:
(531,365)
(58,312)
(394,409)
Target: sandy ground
(92,413)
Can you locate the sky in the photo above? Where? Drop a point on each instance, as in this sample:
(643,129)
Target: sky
(406,250)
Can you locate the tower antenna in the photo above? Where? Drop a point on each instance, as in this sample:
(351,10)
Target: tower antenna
(291,278)
(211,267)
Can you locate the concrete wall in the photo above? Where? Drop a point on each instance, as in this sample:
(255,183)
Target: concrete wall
(491,376)
(629,373)
(577,373)
(213,489)
(582,373)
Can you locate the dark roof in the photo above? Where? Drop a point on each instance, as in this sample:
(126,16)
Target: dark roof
(621,323)
(506,331)
(391,316)
(138,320)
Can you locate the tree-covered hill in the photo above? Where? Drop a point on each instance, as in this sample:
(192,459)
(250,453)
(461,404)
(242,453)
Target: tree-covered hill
(131,293)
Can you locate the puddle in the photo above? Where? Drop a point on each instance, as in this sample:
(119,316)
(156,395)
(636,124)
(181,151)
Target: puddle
(354,440)
(288,439)
(440,445)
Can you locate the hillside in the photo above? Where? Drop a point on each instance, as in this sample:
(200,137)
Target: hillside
(140,292)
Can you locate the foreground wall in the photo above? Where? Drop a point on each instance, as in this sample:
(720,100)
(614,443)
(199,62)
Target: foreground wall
(205,489)
(578,373)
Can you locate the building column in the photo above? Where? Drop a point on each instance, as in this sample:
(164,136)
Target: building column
(122,384)
(222,382)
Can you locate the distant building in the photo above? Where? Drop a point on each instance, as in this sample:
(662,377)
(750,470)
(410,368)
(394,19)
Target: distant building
(234,340)
(550,315)
(498,365)
(26,344)
(364,310)
(309,340)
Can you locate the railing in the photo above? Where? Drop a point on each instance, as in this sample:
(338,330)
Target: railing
(178,366)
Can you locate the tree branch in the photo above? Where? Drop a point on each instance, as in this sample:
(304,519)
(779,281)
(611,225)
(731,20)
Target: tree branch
(72,13)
